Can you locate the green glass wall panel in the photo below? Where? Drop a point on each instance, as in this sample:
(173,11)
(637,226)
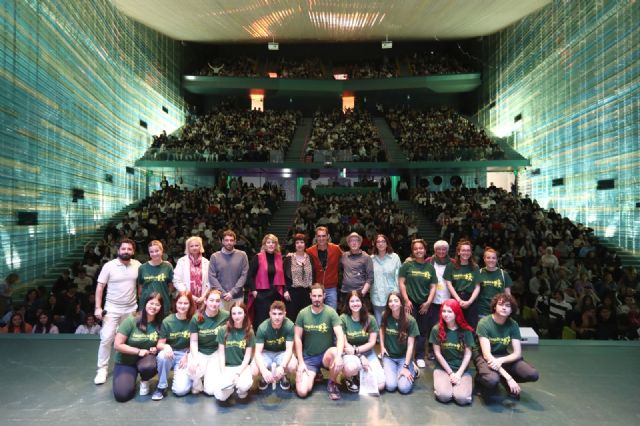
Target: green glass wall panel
(76,79)
(573,71)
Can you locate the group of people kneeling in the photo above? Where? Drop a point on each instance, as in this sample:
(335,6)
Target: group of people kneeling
(218,353)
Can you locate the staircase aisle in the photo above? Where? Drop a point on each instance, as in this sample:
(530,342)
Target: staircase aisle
(394,151)
(427,230)
(300,137)
(282,221)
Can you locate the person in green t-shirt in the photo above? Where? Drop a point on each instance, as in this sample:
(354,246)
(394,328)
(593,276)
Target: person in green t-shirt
(398,333)
(235,346)
(318,324)
(418,283)
(204,328)
(497,334)
(273,358)
(452,340)
(173,346)
(156,275)
(493,281)
(463,280)
(135,345)
(360,329)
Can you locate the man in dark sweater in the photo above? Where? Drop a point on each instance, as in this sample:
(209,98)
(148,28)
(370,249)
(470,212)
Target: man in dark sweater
(228,270)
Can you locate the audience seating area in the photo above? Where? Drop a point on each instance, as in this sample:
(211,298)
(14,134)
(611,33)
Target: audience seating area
(440,135)
(226,134)
(568,285)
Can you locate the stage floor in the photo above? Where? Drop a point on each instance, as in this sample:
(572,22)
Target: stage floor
(50,381)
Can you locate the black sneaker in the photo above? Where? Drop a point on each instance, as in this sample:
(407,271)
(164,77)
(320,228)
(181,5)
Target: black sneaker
(351,385)
(263,385)
(285,384)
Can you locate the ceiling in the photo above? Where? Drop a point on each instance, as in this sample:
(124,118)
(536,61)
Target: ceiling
(246,21)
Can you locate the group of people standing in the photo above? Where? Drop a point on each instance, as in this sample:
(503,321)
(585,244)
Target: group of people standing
(217,344)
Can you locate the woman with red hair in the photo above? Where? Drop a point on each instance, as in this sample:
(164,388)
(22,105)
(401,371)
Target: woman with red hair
(452,339)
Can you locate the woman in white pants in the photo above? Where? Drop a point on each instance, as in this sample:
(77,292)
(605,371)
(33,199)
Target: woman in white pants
(204,368)
(235,348)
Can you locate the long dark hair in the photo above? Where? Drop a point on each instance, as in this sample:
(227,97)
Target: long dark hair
(142,320)
(246,322)
(403,321)
(364,310)
(39,327)
(11,328)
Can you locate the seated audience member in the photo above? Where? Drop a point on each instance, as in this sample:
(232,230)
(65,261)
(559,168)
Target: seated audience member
(16,325)
(44,325)
(90,326)
(135,345)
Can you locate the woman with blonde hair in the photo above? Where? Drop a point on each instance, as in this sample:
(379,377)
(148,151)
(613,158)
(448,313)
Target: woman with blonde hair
(192,271)
(265,279)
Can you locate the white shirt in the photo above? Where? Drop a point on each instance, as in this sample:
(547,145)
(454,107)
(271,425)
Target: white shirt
(120,280)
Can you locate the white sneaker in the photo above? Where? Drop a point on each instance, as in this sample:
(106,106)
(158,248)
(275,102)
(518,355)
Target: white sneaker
(421,363)
(144,388)
(101,376)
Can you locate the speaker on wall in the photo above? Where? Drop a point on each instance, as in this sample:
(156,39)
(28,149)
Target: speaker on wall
(25,218)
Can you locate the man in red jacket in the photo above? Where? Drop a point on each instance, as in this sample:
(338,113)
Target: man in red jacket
(326,258)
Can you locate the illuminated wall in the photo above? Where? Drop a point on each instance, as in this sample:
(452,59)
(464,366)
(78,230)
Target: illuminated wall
(572,71)
(76,80)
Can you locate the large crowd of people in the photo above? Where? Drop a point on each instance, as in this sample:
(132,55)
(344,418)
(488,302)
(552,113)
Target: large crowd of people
(216,344)
(223,316)
(226,134)
(367,214)
(568,285)
(353,132)
(418,63)
(440,134)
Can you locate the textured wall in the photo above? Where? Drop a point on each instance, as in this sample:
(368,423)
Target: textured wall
(572,70)
(76,78)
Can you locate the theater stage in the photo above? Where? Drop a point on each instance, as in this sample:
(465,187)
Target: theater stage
(50,381)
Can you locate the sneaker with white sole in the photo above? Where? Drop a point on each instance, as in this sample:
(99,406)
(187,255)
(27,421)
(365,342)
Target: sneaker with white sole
(285,384)
(158,394)
(101,376)
(263,385)
(420,363)
(144,388)
(351,385)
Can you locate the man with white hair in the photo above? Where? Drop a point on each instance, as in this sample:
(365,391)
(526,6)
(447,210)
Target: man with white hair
(439,260)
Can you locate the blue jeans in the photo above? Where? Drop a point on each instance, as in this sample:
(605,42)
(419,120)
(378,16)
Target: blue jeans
(377,312)
(181,380)
(331,297)
(392,367)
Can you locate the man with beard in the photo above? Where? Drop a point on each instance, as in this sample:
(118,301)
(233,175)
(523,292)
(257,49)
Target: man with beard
(228,269)
(315,329)
(119,277)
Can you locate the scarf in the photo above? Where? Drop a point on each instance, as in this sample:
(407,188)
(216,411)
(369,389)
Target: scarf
(195,269)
